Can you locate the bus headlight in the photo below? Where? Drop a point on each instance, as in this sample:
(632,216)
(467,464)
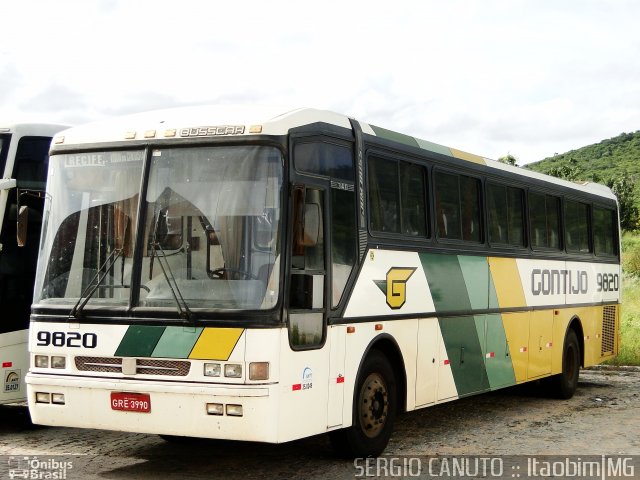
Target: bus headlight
(57,398)
(58,362)
(211,369)
(42,361)
(259,371)
(233,370)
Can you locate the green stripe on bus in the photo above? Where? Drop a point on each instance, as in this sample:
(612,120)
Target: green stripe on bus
(434,147)
(497,360)
(475,271)
(395,136)
(139,341)
(177,342)
(465,354)
(446,282)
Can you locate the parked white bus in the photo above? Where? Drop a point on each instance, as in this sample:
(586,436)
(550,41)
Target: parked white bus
(233,275)
(24,155)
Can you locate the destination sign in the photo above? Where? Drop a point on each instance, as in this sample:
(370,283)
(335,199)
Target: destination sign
(101,159)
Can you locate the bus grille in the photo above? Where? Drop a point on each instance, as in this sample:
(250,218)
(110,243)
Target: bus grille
(608,328)
(144,366)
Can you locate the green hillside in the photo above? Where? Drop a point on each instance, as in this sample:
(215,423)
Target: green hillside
(614,162)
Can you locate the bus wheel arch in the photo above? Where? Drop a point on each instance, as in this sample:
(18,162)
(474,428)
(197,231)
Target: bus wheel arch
(378,394)
(576,325)
(564,384)
(386,344)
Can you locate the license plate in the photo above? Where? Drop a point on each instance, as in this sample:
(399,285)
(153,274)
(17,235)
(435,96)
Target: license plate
(131,402)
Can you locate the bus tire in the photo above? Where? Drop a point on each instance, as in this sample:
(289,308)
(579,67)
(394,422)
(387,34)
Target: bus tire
(374,411)
(564,385)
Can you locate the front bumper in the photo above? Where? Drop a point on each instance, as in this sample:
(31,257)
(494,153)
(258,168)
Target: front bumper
(176,408)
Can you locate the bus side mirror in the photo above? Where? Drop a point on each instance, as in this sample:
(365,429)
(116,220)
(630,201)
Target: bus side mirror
(23,220)
(311,229)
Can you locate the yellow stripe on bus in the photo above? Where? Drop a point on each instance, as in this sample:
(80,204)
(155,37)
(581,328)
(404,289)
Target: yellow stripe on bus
(216,343)
(470,157)
(506,279)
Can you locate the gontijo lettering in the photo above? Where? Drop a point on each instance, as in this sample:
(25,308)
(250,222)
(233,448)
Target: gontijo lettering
(556,282)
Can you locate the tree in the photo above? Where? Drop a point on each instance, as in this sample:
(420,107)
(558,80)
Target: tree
(624,187)
(509,159)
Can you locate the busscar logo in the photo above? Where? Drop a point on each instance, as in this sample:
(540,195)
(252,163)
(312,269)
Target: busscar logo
(12,381)
(395,286)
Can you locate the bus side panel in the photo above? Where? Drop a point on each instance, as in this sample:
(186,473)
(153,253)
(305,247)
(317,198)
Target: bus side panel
(337,342)
(14,358)
(304,390)
(404,333)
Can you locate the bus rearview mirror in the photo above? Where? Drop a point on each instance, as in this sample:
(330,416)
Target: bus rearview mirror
(23,220)
(311,230)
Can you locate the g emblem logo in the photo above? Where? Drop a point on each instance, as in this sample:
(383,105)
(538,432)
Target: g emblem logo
(395,286)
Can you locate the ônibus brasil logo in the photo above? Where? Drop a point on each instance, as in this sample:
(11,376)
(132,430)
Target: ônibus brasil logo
(395,285)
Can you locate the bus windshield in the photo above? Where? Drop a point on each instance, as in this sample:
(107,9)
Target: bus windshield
(210,229)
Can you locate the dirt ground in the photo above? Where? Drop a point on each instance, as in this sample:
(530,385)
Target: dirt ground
(603,418)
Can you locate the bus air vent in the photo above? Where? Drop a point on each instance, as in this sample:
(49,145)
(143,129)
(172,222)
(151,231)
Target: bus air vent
(608,328)
(144,366)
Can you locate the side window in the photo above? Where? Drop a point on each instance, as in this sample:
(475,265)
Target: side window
(397,197)
(505,205)
(343,241)
(576,215)
(384,195)
(32,160)
(326,159)
(544,221)
(412,199)
(306,296)
(335,160)
(458,207)
(604,231)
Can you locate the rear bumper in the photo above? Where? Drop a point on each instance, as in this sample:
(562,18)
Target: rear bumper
(176,408)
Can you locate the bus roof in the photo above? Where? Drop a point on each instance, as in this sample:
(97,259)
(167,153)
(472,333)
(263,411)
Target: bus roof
(233,120)
(35,129)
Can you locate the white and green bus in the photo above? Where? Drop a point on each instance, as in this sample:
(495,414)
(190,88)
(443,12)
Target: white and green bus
(24,154)
(239,275)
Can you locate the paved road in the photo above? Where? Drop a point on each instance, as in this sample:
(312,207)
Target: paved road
(603,418)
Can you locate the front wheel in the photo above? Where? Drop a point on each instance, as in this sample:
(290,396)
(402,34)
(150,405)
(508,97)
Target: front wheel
(374,411)
(564,385)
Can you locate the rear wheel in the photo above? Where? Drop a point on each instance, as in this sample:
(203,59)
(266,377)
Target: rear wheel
(564,385)
(374,411)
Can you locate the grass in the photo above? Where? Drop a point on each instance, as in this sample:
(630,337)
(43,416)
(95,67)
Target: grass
(630,323)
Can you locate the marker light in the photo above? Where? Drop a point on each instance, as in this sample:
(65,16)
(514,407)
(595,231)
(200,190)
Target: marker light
(211,369)
(259,371)
(42,361)
(233,370)
(58,362)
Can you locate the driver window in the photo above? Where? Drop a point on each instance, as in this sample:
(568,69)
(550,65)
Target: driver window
(307,269)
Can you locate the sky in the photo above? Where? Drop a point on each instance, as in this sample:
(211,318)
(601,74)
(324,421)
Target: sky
(529,78)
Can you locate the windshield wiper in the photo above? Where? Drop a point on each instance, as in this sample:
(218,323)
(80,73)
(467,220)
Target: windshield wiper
(88,292)
(183,308)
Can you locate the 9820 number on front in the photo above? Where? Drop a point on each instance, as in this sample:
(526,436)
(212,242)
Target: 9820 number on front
(67,339)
